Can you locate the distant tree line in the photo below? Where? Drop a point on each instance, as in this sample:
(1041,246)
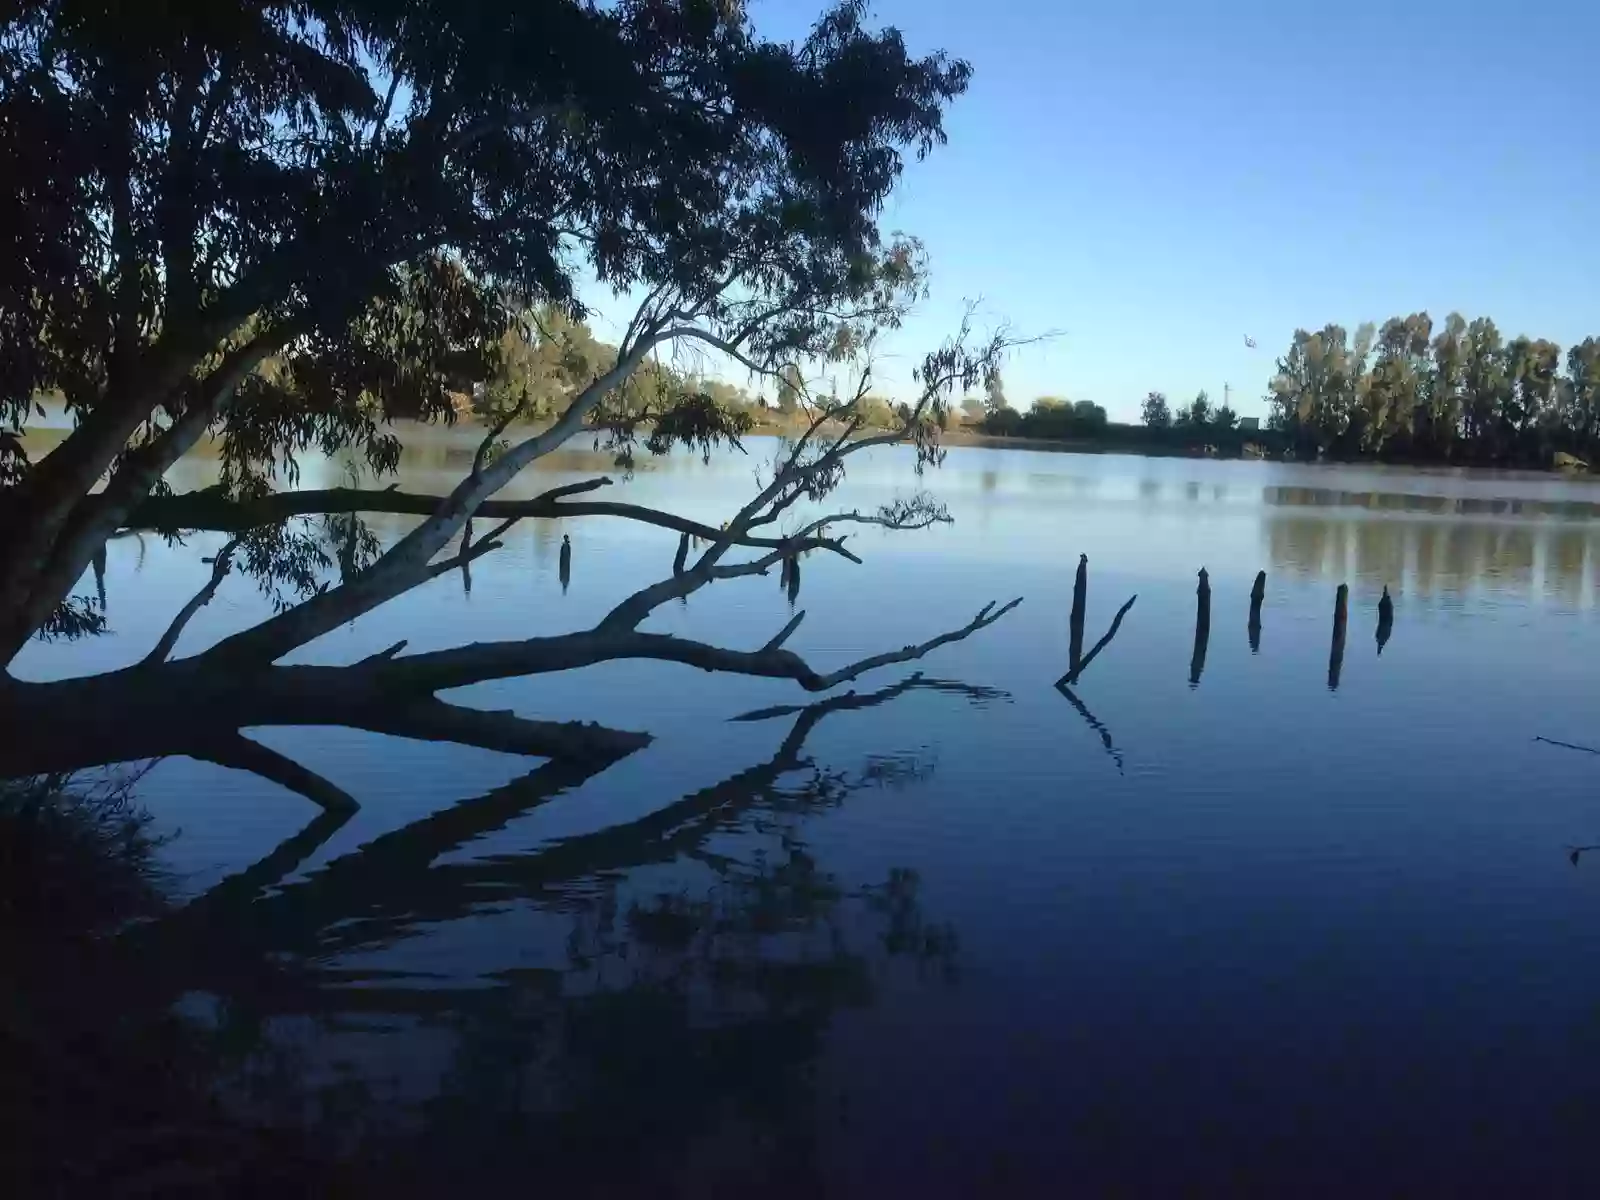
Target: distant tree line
(549,357)
(1195,426)
(1401,392)
(1462,394)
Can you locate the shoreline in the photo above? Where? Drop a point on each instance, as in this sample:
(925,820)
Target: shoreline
(44,438)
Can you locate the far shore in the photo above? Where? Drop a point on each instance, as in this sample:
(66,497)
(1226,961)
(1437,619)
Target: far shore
(41,439)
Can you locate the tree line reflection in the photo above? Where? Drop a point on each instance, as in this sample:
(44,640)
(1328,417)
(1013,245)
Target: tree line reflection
(1431,557)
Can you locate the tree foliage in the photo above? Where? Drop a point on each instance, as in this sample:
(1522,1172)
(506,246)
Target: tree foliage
(286,225)
(1155,412)
(1458,393)
(370,195)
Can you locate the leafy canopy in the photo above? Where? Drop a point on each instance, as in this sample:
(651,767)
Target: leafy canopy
(367,182)
(290,222)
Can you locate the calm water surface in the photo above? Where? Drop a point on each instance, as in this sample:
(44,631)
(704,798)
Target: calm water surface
(1183,931)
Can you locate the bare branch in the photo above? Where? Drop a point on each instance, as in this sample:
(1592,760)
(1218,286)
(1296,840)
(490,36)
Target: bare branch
(463,665)
(220,566)
(784,634)
(434,720)
(405,564)
(1072,676)
(1567,745)
(493,436)
(987,616)
(850,700)
(210,509)
(385,654)
(642,603)
(242,754)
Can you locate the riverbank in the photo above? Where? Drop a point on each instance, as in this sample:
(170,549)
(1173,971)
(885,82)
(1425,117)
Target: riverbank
(465,434)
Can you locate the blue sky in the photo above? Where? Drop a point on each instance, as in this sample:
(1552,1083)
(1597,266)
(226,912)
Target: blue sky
(1155,180)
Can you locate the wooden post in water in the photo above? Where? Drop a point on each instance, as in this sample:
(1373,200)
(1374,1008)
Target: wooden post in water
(566,562)
(1258,593)
(1202,628)
(1341,610)
(1080,603)
(1385,619)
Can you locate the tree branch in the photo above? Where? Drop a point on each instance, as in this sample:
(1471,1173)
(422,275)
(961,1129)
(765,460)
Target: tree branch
(97,517)
(242,754)
(435,720)
(210,509)
(472,551)
(220,566)
(481,661)
(786,632)
(1072,676)
(405,564)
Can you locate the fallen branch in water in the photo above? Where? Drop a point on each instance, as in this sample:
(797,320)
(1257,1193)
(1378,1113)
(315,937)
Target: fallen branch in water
(1567,745)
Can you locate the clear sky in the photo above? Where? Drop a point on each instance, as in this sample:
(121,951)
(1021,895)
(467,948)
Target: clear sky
(1157,179)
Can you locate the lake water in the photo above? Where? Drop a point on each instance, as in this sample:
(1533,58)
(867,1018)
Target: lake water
(1226,930)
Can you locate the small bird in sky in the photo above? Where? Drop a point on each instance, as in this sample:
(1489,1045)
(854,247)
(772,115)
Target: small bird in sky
(1249,341)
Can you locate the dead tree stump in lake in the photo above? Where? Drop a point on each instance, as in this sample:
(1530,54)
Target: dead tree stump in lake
(1258,593)
(1341,607)
(1080,604)
(1385,619)
(1202,628)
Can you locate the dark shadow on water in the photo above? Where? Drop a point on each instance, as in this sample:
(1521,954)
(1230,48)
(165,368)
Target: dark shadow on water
(1385,620)
(665,1041)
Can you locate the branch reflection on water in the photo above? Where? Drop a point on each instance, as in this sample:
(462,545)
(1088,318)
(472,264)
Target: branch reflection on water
(1078,662)
(676,1022)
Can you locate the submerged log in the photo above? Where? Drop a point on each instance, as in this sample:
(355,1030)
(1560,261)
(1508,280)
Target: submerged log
(1258,593)
(1080,603)
(1341,604)
(1202,628)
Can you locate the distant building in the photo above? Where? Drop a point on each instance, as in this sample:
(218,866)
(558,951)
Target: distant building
(1250,424)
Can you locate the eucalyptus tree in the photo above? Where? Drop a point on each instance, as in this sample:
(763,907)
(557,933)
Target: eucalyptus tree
(281,225)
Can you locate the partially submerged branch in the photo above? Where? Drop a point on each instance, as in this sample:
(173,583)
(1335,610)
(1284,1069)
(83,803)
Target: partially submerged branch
(243,754)
(434,720)
(464,665)
(1072,676)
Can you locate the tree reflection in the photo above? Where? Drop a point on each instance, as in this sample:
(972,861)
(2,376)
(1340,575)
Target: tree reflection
(1520,544)
(669,1032)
